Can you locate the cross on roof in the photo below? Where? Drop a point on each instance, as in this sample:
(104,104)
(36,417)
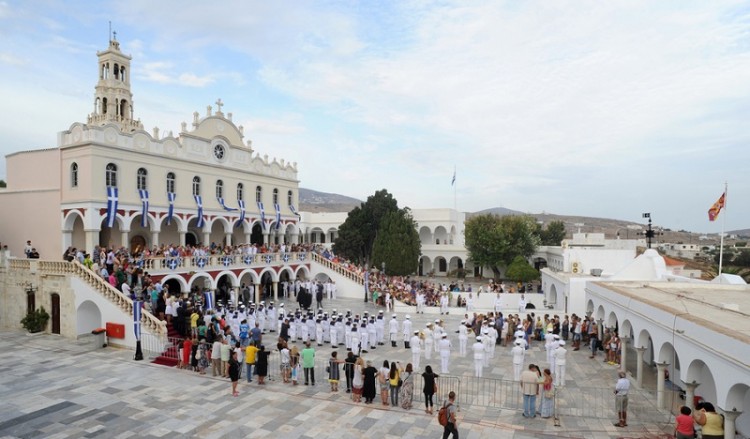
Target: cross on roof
(219,104)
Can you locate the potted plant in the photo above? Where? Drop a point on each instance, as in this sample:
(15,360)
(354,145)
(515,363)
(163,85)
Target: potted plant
(36,321)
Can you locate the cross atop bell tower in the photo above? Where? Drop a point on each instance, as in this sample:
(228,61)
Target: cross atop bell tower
(113,101)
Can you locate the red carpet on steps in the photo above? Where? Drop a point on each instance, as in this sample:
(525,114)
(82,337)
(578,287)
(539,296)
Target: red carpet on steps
(169,356)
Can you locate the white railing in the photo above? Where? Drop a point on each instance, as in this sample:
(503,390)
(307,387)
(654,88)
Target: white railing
(212,262)
(338,268)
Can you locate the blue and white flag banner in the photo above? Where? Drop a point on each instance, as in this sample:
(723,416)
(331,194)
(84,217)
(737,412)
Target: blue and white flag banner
(170,214)
(278,215)
(208,300)
(144,207)
(222,204)
(262,215)
(111,205)
(137,319)
(294,211)
(241,203)
(199,202)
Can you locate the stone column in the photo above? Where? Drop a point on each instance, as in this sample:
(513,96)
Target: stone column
(639,366)
(265,238)
(257,294)
(247,238)
(92,240)
(228,238)
(155,238)
(275,291)
(125,238)
(690,393)
(295,238)
(729,418)
(206,238)
(624,353)
(660,375)
(182,238)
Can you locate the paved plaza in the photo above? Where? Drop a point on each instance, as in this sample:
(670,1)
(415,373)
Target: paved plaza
(51,387)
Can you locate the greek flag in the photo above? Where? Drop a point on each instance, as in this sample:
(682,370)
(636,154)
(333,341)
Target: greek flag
(221,203)
(294,211)
(242,213)
(170,197)
(208,300)
(278,215)
(144,209)
(137,319)
(199,202)
(262,215)
(111,205)
(367,283)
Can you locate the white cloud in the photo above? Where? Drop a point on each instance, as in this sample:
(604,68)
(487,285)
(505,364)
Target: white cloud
(9,58)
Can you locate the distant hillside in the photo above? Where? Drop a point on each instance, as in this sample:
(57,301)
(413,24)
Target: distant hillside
(314,201)
(742,233)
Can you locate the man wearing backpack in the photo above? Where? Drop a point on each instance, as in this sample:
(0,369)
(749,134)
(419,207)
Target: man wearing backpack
(447,417)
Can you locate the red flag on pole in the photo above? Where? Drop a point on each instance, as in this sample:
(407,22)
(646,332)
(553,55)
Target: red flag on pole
(713,212)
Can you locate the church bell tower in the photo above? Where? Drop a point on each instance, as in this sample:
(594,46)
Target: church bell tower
(113,103)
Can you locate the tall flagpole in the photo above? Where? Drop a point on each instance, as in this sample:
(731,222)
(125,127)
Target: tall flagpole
(723,221)
(455,205)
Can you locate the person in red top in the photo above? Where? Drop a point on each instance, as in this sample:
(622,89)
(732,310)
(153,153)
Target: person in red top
(684,424)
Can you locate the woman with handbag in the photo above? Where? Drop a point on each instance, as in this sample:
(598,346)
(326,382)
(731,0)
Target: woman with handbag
(430,388)
(394,380)
(548,393)
(407,387)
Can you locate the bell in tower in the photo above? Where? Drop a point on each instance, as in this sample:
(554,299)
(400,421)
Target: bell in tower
(113,103)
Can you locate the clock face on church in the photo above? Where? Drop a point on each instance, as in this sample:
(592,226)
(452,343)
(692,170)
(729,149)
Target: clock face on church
(219,152)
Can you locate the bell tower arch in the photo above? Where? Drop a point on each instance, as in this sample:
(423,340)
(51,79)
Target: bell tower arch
(113,100)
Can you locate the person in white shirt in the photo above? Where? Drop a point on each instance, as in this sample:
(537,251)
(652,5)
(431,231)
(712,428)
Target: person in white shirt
(553,347)
(388,304)
(518,353)
(560,354)
(478,349)
(463,337)
(407,331)
(548,347)
(415,350)
(522,304)
(470,303)
(445,353)
(444,304)
(428,341)
(498,304)
(393,330)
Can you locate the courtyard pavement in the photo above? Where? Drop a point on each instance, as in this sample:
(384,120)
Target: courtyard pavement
(51,387)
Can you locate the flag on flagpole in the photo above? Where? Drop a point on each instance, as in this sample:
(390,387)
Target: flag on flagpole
(453,181)
(144,209)
(221,203)
(294,211)
(242,213)
(262,215)
(170,198)
(713,212)
(137,319)
(199,202)
(278,215)
(111,205)
(208,300)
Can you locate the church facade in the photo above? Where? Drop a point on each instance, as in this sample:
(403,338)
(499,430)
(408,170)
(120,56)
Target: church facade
(111,183)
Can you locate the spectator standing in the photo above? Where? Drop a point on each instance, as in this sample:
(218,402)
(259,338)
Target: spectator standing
(308,363)
(621,399)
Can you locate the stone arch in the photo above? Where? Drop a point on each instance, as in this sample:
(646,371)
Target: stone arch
(332,234)
(425,265)
(248,276)
(626,329)
(440,265)
(737,397)
(590,307)
(288,270)
(151,222)
(274,276)
(322,277)
(304,270)
(425,235)
(456,263)
(88,317)
(552,296)
(111,236)
(74,231)
(70,218)
(441,235)
(611,321)
(317,236)
(184,287)
(218,228)
(192,282)
(599,313)
(668,354)
(699,372)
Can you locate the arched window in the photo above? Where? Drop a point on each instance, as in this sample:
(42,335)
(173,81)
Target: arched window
(170,182)
(289,197)
(104,105)
(240,192)
(74,175)
(117,71)
(111,175)
(219,189)
(196,185)
(258,194)
(275,196)
(141,179)
(122,74)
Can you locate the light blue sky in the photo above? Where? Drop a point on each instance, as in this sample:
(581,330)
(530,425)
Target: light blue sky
(593,108)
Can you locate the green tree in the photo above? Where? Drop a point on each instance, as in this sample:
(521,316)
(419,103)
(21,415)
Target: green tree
(554,233)
(521,271)
(358,232)
(3,183)
(742,259)
(493,241)
(397,244)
